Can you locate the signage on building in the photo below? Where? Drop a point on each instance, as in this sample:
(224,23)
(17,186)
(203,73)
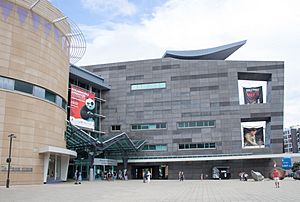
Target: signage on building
(105,162)
(253,95)
(82,108)
(286,163)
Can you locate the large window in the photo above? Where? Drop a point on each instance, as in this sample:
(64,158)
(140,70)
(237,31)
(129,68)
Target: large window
(148,126)
(36,91)
(146,86)
(158,147)
(196,124)
(210,145)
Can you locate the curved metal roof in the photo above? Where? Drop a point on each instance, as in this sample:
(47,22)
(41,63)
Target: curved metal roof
(216,53)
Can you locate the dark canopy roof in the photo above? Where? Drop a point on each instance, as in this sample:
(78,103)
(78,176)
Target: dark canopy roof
(77,138)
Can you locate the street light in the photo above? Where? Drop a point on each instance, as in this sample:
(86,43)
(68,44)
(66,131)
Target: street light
(8,160)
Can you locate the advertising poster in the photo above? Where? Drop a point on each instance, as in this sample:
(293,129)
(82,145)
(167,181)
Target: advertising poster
(82,108)
(253,137)
(253,95)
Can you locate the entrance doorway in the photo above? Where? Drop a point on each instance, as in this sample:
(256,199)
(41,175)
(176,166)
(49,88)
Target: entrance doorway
(54,169)
(157,171)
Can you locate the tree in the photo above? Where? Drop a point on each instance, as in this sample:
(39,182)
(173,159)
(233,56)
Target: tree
(296,166)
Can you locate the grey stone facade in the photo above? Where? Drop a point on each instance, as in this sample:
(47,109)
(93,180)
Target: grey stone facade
(195,90)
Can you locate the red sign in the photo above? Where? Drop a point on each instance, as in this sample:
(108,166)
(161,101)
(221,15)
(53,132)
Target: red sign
(82,107)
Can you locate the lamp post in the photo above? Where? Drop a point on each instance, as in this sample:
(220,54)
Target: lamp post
(8,160)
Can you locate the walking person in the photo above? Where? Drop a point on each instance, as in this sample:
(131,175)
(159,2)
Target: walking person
(276,177)
(181,176)
(148,176)
(76,176)
(79,178)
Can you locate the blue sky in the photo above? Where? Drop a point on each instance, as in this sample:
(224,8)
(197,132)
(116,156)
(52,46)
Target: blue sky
(95,12)
(126,30)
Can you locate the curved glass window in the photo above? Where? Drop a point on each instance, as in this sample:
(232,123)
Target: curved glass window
(36,91)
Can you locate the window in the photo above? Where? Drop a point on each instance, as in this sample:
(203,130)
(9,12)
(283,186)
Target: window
(6,83)
(50,96)
(210,145)
(39,92)
(158,147)
(147,86)
(196,124)
(148,126)
(115,127)
(23,87)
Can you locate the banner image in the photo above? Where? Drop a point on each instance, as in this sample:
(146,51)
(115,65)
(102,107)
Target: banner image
(82,108)
(253,95)
(253,137)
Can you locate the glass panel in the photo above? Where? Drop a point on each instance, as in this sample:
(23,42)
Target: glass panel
(23,87)
(39,92)
(134,127)
(58,100)
(201,146)
(152,147)
(192,146)
(199,123)
(211,123)
(181,146)
(206,145)
(50,96)
(63,104)
(6,83)
(180,125)
(148,86)
(212,145)
(192,124)
(186,146)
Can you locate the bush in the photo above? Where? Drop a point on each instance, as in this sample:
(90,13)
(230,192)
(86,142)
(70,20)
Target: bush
(296,166)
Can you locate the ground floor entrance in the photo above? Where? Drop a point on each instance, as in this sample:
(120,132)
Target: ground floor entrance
(157,171)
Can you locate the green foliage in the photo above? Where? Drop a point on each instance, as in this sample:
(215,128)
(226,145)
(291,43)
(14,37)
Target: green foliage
(296,166)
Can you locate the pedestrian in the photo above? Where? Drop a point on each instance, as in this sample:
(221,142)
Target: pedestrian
(76,175)
(276,177)
(148,176)
(79,177)
(241,174)
(181,176)
(245,175)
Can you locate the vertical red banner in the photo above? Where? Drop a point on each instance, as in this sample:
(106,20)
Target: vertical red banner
(82,107)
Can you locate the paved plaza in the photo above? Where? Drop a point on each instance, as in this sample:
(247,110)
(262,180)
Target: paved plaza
(156,190)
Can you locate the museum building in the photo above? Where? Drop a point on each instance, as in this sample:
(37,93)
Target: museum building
(190,111)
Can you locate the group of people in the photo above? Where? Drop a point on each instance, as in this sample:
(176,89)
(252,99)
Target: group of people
(77,177)
(275,175)
(243,176)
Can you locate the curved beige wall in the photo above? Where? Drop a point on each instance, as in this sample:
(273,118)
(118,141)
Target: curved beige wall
(29,55)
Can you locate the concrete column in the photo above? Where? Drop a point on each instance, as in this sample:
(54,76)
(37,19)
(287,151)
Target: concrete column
(55,167)
(64,167)
(46,166)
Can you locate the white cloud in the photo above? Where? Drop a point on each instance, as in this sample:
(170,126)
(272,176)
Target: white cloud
(111,7)
(272,28)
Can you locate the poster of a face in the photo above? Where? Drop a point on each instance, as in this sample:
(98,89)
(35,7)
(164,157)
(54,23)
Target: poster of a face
(253,136)
(253,95)
(82,108)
